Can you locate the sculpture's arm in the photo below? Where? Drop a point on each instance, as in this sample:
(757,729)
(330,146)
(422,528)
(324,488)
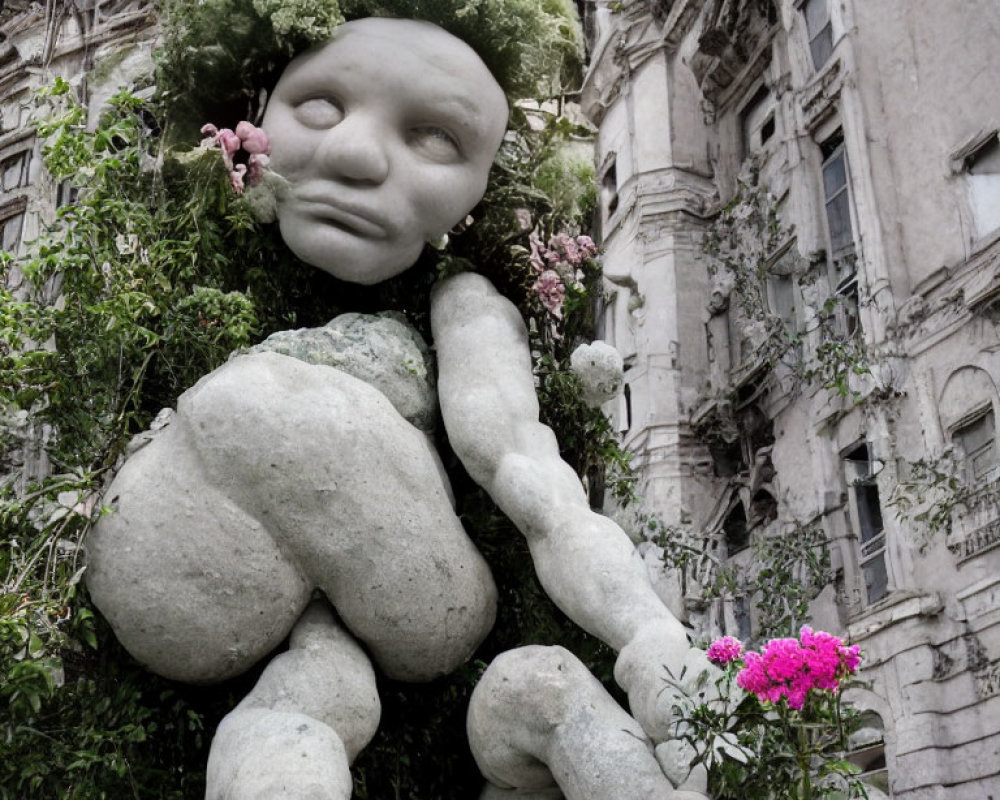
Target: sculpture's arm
(585,562)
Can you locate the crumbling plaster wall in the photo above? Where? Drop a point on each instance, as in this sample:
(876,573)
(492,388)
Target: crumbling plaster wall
(930,85)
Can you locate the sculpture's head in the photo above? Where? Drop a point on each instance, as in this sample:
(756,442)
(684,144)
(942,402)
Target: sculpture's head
(385,135)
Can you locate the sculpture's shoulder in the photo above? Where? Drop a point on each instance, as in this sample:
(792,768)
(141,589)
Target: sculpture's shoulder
(383,350)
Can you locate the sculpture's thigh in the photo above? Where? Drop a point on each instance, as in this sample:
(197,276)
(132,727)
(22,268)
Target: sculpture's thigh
(194,587)
(354,493)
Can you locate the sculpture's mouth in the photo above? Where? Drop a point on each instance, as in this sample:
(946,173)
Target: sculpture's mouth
(345,216)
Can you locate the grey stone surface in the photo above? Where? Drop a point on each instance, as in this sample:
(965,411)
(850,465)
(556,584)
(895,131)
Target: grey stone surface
(600,369)
(381,349)
(539,719)
(275,478)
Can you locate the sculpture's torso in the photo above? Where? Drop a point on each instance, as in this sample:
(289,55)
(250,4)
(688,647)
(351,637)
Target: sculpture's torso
(275,478)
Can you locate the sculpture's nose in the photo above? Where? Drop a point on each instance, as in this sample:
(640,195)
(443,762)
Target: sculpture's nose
(355,150)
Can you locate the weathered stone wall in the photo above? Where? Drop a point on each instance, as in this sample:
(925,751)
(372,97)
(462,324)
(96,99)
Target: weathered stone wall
(898,99)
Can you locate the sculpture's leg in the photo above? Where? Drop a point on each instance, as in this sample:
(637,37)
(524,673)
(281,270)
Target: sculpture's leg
(294,736)
(538,719)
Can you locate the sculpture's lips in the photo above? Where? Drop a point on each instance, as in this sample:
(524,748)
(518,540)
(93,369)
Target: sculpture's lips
(348,216)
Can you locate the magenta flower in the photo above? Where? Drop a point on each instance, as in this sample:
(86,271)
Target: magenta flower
(724,650)
(791,668)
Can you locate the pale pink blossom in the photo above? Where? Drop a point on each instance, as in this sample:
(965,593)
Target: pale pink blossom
(246,169)
(256,164)
(236,177)
(523,217)
(254,140)
(551,291)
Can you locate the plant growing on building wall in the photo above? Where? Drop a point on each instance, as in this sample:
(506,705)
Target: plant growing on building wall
(927,500)
(787,571)
(776,729)
(747,244)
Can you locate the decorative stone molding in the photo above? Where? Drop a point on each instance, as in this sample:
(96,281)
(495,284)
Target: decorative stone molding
(819,98)
(734,41)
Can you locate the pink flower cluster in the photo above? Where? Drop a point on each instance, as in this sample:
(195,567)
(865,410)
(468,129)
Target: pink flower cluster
(789,668)
(724,650)
(243,170)
(556,264)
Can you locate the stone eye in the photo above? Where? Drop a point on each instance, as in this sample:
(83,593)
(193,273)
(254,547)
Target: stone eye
(319,112)
(435,142)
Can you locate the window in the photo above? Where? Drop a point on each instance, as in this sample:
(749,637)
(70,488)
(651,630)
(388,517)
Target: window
(757,121)
(626,410)
(835,196)
(819,30)
(12,232)
(609,190)
(866,750)
(14,171)
(840,229)
(982,168)
(976,440)
(866,519)
(735,530)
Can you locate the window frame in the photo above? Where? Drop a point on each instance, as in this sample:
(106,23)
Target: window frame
(819,39)
(860,474)
(972,477)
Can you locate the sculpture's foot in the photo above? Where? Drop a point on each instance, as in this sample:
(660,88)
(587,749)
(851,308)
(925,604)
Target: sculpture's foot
(260,754)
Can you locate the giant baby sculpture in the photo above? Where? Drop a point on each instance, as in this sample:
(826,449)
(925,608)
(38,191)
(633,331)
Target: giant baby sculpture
(293,498)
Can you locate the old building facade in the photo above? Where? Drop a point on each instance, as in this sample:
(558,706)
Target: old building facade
(99,46)
(800,213)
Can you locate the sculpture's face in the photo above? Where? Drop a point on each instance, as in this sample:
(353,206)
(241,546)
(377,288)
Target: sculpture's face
(386,135)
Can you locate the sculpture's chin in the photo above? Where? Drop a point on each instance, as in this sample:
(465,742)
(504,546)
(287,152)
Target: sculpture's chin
(346,255)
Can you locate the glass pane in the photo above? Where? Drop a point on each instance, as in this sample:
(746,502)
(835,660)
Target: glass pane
(977,433)
(869,510)
(816,16)
(838,217)
(834,176)
(12,233)
(821,46)
(782,298)
(876,578)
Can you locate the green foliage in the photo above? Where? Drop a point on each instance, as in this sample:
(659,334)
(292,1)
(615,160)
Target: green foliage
(785,575)
(929,496)
(788,572)
(744,245)
(219,54)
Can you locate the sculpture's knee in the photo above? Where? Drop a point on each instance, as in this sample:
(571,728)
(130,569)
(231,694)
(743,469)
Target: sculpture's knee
(534,685)
(324,675)
(538,718)
(261,754)
(522,698)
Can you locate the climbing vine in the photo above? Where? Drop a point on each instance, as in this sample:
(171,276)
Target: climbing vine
(786,573)
(747,244)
